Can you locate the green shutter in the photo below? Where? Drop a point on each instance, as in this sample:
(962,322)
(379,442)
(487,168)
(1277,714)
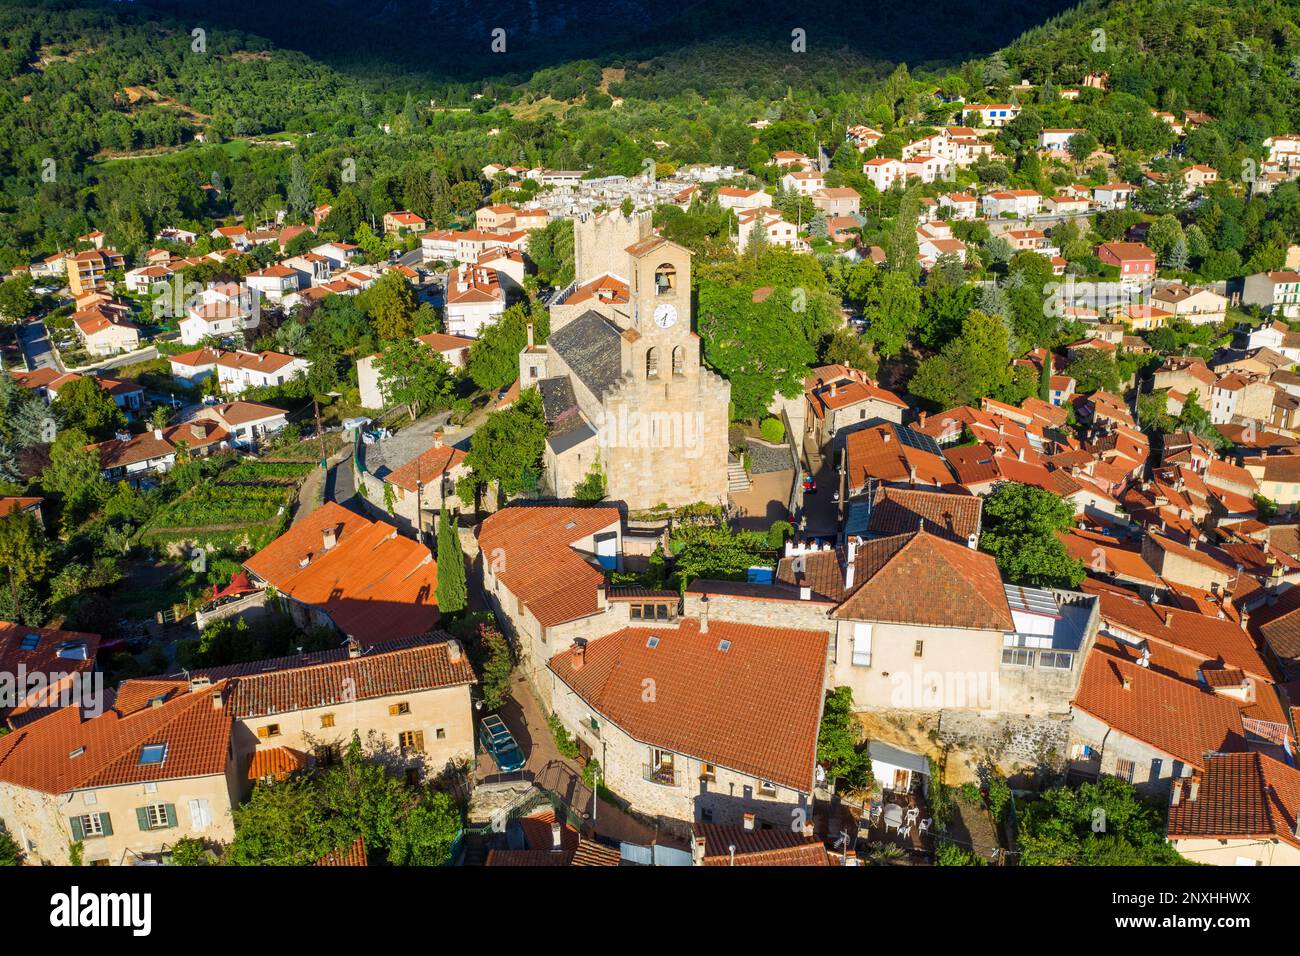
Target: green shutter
(78,833)
(142,817)
(171,814)
(106,824)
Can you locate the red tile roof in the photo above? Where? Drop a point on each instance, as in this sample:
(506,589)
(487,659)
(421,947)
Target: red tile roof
(921,578)
(428,467)
(1167,714)
(373,583)
(1239,796)
(877,453)
(277,762)
(753,708)
(759,847)
(352,855)
(532,545)
(64,751)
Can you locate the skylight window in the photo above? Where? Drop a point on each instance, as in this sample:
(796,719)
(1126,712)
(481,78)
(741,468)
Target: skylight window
(724,646)
(153,754)
(29,642)
(76,753)
(652,643)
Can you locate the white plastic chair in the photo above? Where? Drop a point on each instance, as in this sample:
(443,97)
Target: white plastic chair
(912,815)
(925,825)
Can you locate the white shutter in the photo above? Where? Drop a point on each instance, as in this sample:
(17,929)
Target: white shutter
(199,816)
(862,645)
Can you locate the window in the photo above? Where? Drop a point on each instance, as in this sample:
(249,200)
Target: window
(1124,770)
(153,753)
(441,733)
(1061,660)
(679,360)
(665,279)
(708,772)
(411,740)
(1017,657)
(327,720)
(767,788)
(652,363)
(1157,765)
(328,754)
(398,710)
(91,825)
(29,642)
(157,816)
(919,650)
(270,730)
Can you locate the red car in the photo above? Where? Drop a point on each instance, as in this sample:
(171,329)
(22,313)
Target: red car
(809,485)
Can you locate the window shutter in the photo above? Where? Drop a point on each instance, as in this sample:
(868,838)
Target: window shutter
(142,817)
(419,741)
(78,832)
(171,814)
(263,731)
(106,824)
(393,710)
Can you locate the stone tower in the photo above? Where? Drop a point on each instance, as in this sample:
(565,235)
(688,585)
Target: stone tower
(600,242)
(665,421)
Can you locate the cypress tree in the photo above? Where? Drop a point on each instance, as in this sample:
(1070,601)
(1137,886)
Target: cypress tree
(452,595)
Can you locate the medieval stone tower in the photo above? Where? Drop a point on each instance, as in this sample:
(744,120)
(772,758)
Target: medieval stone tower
(599,242)
(673,447)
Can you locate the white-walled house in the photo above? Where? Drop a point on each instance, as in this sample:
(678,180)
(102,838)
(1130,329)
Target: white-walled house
(475,300)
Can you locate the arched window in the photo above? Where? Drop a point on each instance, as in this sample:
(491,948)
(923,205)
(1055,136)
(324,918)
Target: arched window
(666,279)
(679,360)
(651,363)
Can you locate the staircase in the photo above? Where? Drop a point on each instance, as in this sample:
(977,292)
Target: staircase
(475,850)
(737,479)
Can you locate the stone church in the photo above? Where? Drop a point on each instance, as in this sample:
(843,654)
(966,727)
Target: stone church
(620,376)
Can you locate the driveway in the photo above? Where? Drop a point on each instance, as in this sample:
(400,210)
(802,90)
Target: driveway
(35,343)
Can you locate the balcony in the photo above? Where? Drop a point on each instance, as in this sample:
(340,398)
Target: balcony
(663,776)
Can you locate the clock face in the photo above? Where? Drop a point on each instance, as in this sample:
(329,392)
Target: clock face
(665,315)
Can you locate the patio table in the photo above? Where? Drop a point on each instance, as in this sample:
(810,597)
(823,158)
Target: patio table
(893,816)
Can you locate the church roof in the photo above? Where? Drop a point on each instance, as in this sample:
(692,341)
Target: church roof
(592,348)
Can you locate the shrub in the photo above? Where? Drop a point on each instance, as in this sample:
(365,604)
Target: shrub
(772,430)
(778,534)
(565,743)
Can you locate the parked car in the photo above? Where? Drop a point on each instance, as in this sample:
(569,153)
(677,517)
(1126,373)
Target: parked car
(809,485)
(500,744)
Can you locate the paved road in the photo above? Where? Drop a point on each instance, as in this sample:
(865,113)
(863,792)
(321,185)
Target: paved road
(35,343)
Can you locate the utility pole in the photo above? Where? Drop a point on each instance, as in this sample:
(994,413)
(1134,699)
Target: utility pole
(320,435)
(419,495)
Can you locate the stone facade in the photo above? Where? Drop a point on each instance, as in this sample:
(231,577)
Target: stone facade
(687,795)
(1117,755)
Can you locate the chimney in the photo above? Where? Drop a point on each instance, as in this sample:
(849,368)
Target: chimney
(578,654)
(973,541)
(329,538)
(920,420)
(1127,682)
(157,433)
(704,614)
(304,561)
(749,821)
(698,846)
(196,430)
(455,654)
(530,335)
(805,593)
(198,682)
(851,559)
(1177,795)
(850,857)
(1169,618)
(354,647)
(217,701)
(1020,453)
(557,837)
(885,436)
(1193,789)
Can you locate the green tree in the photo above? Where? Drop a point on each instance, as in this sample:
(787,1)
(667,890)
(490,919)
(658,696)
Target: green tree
(24,555)
(83,404)
(414,375)
(391,305)
(74,477)
(494,357)
(507,449)
(11,854)
(1062,828)
(494,663)
(973,365)
(452,593)
(16,299)
(283,824)
(1092,369)
(892,310)
(1020,531)
(840,745)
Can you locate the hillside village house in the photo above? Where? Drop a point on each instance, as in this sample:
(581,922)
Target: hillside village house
(402,222)
(959,205)
(239,370)
(274,282)
(1195,306)
(543,570)
(223,310)
(1136,263)
(410,494)
(841,399)
(453,348)
(770,224)
(104,329)
(1113,195)
(733,197)
(731,728)
(839,201)
(247,423)
(475,300)
(172,756)
(805,183)
(1239,811)
(1276,293)
(991,114)
(883,172)
(1017,203)
(1056,140)
(335,568)
(132,457)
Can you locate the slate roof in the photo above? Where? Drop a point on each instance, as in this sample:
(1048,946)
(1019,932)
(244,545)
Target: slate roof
(591,347)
